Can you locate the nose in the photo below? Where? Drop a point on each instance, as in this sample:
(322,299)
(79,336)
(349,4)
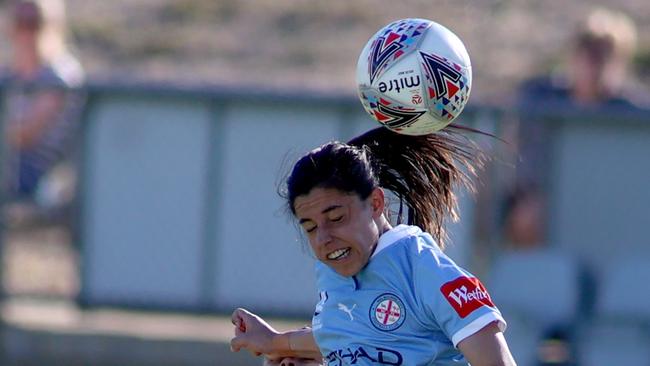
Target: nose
(323,236)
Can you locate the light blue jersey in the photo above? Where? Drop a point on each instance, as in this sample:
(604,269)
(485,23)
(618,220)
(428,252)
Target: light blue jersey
(411,305)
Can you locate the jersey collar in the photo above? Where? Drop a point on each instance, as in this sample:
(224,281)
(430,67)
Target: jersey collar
(394,235)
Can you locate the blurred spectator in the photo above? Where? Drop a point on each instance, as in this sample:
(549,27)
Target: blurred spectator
(41,104)
(527,254)
(596,75)
(523,219)
(597,69)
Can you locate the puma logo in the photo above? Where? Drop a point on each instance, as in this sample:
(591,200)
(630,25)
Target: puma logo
(347,310)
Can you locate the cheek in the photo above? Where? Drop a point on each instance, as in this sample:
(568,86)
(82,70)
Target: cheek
(312,245)
(368,236)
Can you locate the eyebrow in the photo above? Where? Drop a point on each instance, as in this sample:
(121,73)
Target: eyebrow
(328,209)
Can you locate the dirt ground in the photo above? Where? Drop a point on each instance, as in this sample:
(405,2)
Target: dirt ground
(41,325)
(39,260)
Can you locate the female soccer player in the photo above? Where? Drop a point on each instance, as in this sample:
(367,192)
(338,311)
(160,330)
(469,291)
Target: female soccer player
(388,295)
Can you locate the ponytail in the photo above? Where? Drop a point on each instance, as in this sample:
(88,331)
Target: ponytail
(422,171)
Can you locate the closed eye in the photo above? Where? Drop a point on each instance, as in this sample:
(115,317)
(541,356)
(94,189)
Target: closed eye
(310,229)
(336,219)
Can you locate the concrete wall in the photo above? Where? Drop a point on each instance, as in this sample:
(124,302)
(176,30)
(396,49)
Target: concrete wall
(178,198)
(179,207)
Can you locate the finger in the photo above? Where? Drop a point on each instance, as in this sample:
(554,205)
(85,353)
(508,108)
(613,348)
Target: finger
(276,359)
(289,362)
(236,344)
(270,362)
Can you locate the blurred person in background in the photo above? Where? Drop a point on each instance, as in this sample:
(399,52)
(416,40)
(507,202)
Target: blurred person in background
(41,105)
(523,220)
(387,294)
(598,64)
(596,75)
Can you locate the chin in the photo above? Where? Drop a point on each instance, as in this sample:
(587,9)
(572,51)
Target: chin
(346,272)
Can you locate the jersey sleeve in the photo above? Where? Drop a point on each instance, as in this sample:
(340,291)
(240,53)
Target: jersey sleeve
(452,299)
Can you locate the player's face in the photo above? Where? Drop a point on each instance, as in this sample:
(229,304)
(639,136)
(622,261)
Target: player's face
(342,229)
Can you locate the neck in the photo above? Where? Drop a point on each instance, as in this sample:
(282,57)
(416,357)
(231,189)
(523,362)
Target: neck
(590,95)
(383,225)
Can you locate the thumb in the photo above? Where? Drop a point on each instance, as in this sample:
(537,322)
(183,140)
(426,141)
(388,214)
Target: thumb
(240,317)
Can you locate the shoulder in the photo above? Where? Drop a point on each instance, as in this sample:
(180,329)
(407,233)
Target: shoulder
(432,266)
(405,241)
(415,253)
(423,251)
(448,296)
(407,238)
(543,88)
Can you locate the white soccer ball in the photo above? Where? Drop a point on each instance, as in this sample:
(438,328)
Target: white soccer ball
(414,76)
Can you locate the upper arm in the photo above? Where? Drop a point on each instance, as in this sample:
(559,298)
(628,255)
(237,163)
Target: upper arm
(487,347)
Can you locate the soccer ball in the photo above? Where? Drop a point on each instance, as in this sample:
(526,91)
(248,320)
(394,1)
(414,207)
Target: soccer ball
(414,76)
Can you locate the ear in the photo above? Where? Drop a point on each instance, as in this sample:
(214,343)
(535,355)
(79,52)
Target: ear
(377,201)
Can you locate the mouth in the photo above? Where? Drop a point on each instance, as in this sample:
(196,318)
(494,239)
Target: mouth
(339,254)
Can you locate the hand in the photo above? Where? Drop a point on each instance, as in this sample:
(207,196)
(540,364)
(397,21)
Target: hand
(254,334)
(290,361)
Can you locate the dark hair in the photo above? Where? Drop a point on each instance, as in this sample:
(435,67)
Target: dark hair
(28,14)
(520,192)
(420,170)
(606,34)
(599,47)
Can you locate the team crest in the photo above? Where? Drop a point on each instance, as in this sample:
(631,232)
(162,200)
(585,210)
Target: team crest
(387,312)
